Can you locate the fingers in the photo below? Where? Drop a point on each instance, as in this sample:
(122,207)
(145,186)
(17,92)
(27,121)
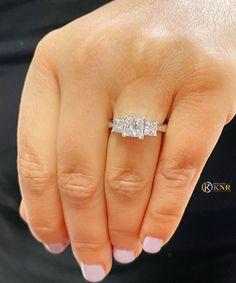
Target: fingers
(36,155)
(193,130)
(130,169)
(82,144)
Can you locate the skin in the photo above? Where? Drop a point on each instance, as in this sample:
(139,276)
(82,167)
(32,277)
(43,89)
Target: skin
(171,61)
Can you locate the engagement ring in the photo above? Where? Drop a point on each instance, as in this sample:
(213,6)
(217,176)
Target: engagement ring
(137,127)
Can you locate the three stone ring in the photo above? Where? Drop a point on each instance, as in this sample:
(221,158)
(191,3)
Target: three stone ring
(138,127)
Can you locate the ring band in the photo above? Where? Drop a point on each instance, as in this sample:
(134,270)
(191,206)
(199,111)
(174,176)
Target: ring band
(138,127)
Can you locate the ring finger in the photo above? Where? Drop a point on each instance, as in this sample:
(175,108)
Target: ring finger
(130,168)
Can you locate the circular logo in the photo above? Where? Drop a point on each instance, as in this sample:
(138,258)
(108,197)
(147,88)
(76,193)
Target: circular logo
(207,187)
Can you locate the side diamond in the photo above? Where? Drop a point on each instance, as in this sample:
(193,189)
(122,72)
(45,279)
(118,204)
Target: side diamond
(150,128)
(118,124)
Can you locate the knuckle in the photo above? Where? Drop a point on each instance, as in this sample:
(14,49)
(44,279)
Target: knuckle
(44,233)
(96,44)
(81,248)
(95,49)
(130,234)
(165,220)
(125,182)
(147,47)
(163,216)
(176,173)
(77,186)
(88,245)
(49,48)
(174,53)
(34,172)
(47,43)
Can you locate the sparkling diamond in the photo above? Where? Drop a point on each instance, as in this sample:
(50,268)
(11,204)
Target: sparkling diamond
(150,128)
(133,127)
(118,124)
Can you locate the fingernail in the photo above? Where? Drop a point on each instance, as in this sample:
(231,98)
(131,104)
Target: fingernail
(152,245)
(123,256)
(56,248)
(92,272)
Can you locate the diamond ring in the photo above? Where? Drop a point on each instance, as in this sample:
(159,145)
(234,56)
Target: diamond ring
(137,127)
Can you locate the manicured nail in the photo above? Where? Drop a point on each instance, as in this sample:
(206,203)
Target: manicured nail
(92,272)
(56,248)
(152,245)
(123,256)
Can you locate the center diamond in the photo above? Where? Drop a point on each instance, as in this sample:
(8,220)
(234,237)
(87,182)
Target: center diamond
(133,127)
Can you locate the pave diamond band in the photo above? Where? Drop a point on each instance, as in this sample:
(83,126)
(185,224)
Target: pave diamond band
(137,127)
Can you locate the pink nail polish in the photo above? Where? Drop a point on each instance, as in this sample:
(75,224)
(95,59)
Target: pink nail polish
(56,248)
(93,272)
(123,256)
(152,245)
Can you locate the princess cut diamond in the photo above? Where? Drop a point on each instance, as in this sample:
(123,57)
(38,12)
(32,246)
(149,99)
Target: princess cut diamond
(150,128)
(118,124)
(133,127)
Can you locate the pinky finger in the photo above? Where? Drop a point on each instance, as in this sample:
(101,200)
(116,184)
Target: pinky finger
(191,136)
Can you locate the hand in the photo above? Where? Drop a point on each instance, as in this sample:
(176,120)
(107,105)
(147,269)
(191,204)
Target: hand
(170,61)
